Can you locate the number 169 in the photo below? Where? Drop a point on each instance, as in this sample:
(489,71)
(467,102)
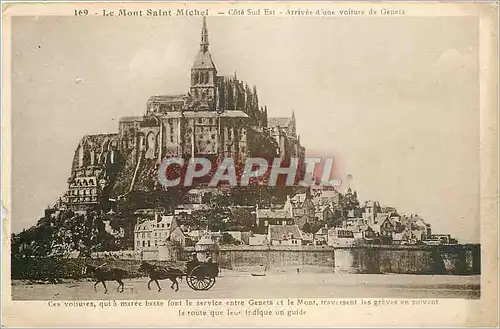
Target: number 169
(84,12)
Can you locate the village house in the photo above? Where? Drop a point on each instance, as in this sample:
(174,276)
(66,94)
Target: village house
(341,237)
(197,196)
(193,236)
(370,211)
(307,238)
(215,236)
(321,236)
(384,229)
(142,232)
(178,236)
(443,238)
(149,234)
(365,233)
(267,217)
(324,213)
(325,196)
(352,222)
(417,228)
(302,208)
(284,235)
(188,214)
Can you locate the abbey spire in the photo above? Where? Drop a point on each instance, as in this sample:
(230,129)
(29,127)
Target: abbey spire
(204,37)
(203,72)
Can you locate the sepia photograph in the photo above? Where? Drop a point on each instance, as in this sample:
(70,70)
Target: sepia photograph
(165,154)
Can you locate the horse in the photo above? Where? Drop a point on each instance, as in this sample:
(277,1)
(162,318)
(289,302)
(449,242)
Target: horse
(156,273)
(102,275)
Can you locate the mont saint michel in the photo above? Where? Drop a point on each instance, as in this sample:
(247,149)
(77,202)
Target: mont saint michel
(208,89)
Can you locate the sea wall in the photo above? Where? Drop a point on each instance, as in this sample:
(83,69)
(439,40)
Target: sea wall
(450,259)
(275,258)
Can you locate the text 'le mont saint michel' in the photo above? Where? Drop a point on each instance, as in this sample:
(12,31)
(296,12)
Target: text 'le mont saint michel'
(251,12)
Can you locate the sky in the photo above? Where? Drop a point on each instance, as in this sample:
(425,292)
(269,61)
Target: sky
(394,99)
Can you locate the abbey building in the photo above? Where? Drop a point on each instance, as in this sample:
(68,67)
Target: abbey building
(219,116)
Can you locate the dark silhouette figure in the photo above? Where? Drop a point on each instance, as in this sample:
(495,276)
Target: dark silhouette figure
(156,273)
(101,275)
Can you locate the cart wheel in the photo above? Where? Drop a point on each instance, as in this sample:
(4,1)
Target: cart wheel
(197,279)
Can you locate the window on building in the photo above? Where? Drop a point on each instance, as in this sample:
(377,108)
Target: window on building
(149,243)
(162,225)
(143,243)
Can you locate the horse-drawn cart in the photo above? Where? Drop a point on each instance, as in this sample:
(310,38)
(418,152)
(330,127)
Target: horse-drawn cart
(201,276)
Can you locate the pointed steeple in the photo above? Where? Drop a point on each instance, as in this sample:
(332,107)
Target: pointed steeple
(293,128)
(204,59)
(204,36)
(204,73)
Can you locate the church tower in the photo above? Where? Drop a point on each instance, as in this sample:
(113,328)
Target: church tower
(204,73)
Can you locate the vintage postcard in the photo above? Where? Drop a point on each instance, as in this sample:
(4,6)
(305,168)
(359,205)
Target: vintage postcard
(249,164)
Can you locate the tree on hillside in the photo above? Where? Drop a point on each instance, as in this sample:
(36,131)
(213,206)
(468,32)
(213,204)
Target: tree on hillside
(229,239)
(218,214)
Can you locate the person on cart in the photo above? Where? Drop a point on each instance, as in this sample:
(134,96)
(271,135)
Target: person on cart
(193,262)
